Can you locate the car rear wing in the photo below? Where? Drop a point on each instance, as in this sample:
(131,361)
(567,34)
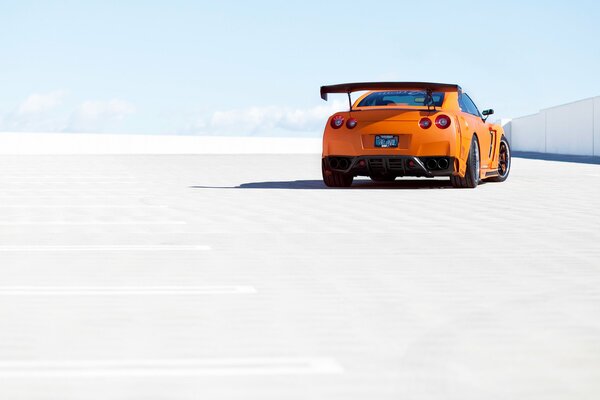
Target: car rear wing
(357,87)
(348,88)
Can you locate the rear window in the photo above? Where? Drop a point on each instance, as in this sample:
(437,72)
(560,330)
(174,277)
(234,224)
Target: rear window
(401,98)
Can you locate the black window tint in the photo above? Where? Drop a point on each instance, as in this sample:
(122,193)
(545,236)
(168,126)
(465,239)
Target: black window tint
(400,97)
(461,103)
(469,106)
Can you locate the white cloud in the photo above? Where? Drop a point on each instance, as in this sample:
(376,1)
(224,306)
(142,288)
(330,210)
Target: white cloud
(94,115)
(45,112)
(266,120)
(38,112)
(40,103)
(113,109)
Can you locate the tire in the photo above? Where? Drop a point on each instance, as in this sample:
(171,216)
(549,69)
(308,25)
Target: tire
(504,162)
(471,178)
(335,178)
(382,178)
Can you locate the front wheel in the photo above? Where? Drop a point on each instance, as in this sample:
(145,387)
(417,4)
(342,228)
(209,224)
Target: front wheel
(471,178)
(503,161)
(335,178)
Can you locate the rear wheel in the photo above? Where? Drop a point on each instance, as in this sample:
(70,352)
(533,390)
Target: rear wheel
(471,178)
(335,178)
(503,161)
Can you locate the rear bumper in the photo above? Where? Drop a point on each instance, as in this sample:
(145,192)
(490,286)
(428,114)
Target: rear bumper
(392,165)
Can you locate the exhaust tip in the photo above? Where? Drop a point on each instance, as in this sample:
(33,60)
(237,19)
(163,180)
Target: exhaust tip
(339,163)
(443,163)
(431,163)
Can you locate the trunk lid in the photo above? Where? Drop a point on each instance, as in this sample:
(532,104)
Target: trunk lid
(381,115)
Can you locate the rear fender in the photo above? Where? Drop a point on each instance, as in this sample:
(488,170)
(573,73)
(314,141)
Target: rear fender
(464,144)
(498,135)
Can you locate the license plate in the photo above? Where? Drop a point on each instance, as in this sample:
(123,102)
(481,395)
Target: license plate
(386,141)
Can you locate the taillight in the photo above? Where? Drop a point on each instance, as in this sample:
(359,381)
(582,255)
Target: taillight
(351,124)
(425,123)
(337,122)
(442,121)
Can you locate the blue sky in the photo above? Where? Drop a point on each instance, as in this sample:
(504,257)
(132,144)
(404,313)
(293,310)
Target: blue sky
(254,68)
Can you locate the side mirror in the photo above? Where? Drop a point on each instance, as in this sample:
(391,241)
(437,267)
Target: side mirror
(486,114)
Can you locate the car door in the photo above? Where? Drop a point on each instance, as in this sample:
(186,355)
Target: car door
(475,124)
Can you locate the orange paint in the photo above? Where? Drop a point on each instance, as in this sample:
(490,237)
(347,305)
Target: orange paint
(401,122)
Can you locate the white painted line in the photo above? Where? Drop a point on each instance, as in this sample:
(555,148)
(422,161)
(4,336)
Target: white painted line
(28,248)
(171,367)
(75,191)
(80,206)
(122,290)
(38,177)
(73,182)
(14,223)
(71,196)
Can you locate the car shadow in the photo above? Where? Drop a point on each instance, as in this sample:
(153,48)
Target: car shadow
(411,184)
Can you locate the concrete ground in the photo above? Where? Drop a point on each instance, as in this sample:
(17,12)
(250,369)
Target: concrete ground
(242,277)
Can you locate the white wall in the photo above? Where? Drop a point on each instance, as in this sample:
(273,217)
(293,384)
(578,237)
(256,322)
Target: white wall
(529,133)
(597,126)
(83,143)
(572,128)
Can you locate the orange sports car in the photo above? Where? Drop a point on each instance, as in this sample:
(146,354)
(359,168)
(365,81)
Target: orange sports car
(412,129)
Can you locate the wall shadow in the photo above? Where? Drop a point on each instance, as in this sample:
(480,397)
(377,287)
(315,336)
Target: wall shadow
(410,184)
(557,157)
